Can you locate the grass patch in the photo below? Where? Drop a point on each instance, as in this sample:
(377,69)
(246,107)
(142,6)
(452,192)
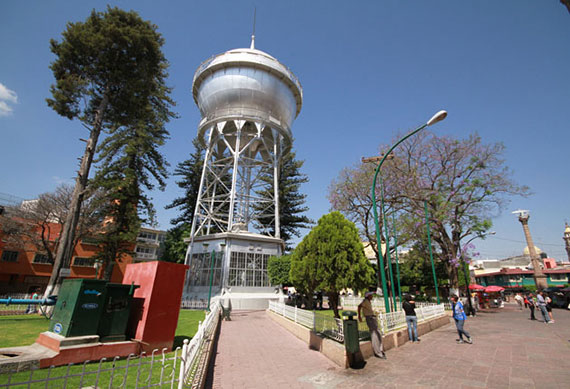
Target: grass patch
(23,330)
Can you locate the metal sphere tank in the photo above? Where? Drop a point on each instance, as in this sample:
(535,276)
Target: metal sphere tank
(247,84)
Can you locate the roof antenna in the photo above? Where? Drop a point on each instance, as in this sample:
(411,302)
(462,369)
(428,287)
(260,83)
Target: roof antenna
(252,47)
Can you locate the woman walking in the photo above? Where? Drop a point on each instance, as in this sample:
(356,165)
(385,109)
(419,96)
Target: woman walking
(460,317)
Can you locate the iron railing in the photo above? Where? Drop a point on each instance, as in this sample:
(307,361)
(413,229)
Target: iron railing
(332,327)
(182,368)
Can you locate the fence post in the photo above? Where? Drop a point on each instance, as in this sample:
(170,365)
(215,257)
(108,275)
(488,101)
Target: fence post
(295,314)
(314,321)
(183,357)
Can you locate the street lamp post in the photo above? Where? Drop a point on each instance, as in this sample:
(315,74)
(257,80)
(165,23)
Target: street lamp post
(435,118)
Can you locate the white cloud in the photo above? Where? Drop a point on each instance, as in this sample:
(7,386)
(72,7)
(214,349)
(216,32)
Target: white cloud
(58,180)
(7,96)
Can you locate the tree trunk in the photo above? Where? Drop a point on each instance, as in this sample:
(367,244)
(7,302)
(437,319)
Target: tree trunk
(65,247)
(333,302)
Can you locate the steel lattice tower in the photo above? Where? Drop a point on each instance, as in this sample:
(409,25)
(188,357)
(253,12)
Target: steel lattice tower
(248,101)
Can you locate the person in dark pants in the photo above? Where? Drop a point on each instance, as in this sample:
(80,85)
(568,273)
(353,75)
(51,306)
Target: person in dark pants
(531,303)
(365,309)
(460,317)
(409,306)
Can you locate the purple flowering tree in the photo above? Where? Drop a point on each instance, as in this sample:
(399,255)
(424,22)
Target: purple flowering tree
(464,181)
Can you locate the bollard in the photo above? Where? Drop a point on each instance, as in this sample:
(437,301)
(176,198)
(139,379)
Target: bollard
(351,341)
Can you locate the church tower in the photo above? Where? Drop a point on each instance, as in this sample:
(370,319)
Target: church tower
(567,240)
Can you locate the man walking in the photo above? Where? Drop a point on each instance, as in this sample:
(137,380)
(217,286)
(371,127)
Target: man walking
(519,300)
(409,306)
(366,308)
(530,300)
(541,302)
(460,317)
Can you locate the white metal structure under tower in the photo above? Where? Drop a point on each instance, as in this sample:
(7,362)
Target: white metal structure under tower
(248,101)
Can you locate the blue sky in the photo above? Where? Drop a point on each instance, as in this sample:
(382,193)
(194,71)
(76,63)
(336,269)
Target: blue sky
(368,70)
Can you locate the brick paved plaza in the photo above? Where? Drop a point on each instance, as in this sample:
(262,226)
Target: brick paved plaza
(509,351)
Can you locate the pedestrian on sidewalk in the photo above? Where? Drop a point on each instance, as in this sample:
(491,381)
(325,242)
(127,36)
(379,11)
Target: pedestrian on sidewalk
(531,305)
(519,300)
(460,317)
(549,307)
(365,307)
(409,306)
(542,306)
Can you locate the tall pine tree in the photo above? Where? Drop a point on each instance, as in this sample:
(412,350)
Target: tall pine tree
(190,172)
(130,162)
(110,73)
(291,200)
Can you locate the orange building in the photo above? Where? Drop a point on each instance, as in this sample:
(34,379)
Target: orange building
(25,268)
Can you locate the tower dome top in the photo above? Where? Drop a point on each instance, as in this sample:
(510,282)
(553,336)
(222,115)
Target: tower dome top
(249,58)
(567,229)
(536,249)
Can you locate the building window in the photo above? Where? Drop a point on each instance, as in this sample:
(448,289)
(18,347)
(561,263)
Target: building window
(42,258)
(9,256)
(144,250)
(201,266)
(143,235)
(83,262)
(248,269)
(559,277)
(515,278)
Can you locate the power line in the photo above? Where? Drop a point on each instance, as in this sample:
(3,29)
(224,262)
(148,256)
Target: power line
(520,241)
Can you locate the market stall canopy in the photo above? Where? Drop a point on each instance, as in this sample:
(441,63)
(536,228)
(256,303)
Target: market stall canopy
(476,287)
(494,288)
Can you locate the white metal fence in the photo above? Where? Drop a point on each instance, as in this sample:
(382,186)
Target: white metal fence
(194,304)
(332,327)
(348,302)
(184,367)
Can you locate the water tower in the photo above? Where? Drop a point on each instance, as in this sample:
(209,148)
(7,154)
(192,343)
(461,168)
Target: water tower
(248,101)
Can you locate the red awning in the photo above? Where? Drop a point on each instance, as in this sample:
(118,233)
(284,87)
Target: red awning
(476,287)
(494,288)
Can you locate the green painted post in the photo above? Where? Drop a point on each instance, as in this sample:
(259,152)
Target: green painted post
(387,237)
(439,116)
(430,252)
(211,278)
(397,261)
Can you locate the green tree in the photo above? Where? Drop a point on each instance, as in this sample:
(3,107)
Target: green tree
(331,258)
(130,163)
(110,73)
(291,201)
(174,245)
(416,270)
(464,181)
(190,173)
(278,269)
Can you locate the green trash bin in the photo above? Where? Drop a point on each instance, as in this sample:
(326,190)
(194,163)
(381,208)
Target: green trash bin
(115,313)
(78,308)
(351,341)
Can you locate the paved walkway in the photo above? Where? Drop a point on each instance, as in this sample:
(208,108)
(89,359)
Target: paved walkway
(509,351)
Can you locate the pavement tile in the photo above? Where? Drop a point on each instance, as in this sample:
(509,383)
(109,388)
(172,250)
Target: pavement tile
(509,352)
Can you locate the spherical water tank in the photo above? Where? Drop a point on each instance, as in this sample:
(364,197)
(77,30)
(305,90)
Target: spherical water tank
(247,84)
